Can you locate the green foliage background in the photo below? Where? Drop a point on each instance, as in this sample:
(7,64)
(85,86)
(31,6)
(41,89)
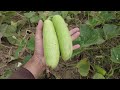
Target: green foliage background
(100,32)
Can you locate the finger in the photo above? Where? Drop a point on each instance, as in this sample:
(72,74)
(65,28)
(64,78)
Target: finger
(39,27)
(76,46)
(38,34)
(38,38)
(74,31)
(75,35)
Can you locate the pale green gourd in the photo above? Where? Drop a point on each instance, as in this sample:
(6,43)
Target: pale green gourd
(50,44)
(64,38)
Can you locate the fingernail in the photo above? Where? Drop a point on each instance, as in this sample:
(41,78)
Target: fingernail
(78,33)
(40,21)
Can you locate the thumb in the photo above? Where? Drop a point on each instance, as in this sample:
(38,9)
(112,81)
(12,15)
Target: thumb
(38,34)
(39,27)
(38,38)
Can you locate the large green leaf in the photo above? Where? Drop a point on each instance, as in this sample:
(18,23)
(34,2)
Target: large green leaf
(83,67)
(89,36)
(98,76)
(111,31)
(115,54)
(31,43)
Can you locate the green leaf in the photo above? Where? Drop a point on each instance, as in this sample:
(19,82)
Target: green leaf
(30,14)
(77,52)
(64,14)
(9,13)
(86,38)
(101,33)
(14,24)
(93,22)
(42,16)
(51,13)
(99,70)
(20,24)
(68,19)
(93,13)
(12,40)
(19,49)
(27,58)
(31,43)
(1,19)
(46,14)
(83,67)
(111,31)
(56,12)
(8,16)
(74,12)
(16,55)
(115,54)
(7,73)
(22,42)
(106,15)
(98,76)
(10,31)
(3,28)
(99,17)
(89,36)
(34,19)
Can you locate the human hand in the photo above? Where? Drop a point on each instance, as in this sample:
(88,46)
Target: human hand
(36,65)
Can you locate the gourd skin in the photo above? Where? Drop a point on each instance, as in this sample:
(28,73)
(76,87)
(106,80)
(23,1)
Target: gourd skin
(50,44)
(64,38)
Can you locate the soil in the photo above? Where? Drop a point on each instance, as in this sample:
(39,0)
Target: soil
(65,70)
